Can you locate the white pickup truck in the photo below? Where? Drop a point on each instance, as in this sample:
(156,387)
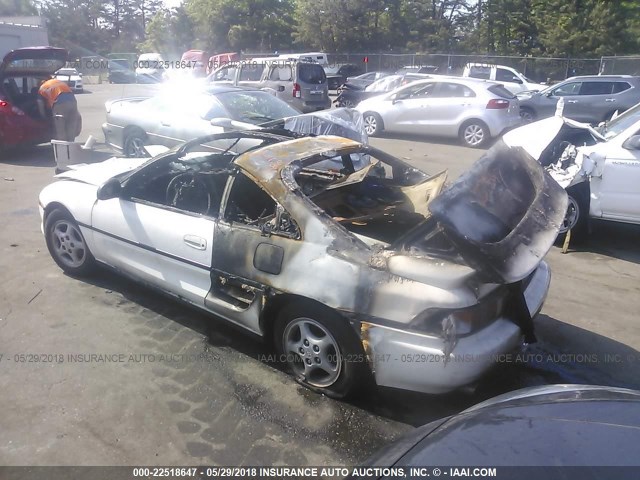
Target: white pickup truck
(512,79)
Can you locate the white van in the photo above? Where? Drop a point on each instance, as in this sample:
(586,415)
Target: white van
(316,57)
(512,79)
(149,68)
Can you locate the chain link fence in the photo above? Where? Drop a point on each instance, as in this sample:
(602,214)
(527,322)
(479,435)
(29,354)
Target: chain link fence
(539,69)
(627,65)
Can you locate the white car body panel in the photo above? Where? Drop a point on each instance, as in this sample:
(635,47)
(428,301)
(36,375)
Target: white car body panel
(169,237)
(613,172)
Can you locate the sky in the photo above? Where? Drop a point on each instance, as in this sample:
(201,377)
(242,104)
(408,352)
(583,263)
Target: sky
(172,3)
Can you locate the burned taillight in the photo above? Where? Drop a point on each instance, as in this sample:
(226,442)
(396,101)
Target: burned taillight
(297,91)
(4,104)
(497,104)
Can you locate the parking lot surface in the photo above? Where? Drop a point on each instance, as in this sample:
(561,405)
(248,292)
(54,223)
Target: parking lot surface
(100,371)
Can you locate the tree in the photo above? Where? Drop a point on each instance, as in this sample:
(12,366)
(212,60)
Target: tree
(12,8)
(170,32)
(223,25)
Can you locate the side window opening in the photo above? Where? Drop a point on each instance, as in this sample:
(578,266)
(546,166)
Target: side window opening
(251,72)
(596,88)
(194,185)
(248,204)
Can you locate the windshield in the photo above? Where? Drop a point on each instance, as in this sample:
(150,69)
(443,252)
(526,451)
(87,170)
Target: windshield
(255,106)
(385,84)
(619,124)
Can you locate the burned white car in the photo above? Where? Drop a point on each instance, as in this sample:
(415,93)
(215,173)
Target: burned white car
(599,167)
(376,274)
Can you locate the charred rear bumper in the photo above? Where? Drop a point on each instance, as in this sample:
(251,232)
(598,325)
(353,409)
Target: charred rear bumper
(412,361)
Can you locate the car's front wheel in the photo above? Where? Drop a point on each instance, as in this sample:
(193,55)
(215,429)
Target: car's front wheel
(134,143)
(577,217)
(66,243)
(372,124)
(321,350)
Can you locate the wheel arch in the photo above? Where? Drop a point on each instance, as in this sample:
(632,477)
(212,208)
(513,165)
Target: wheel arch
(276,302)
(471,120)
(51,206)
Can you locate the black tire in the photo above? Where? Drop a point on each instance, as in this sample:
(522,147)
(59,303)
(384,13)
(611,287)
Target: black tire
(133,142)
(348,371)
(348,104)
(67,245)
(527,115)
(474,134)
(577,217)
(372,124)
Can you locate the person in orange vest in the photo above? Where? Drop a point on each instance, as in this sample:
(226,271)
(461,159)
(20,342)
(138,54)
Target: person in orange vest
(61,102)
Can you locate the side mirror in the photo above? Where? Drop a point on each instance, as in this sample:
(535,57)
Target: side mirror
(632,143)
(515,79)
(222,122)
(112,188)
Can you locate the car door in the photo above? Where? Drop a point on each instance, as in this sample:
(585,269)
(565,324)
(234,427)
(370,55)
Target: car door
(280,79)
(445,108)
(615,183)
(594,102)
(250,74)
(570,91)
(509,80)
(159,230)
(254,243)
(409,110)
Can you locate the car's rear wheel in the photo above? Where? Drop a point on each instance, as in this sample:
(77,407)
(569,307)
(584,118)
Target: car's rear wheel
(134,143)
(577,217)
(66,243)
(527,115)
(474,134)
(321,350)
(372,124)
(348,103)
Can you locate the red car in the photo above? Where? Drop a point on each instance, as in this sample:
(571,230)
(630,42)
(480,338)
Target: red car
(20,74)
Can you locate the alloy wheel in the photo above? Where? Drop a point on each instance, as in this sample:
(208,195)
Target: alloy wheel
(68,244)
(312,352)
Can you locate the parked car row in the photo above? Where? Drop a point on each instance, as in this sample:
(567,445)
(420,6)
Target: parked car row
(299,83)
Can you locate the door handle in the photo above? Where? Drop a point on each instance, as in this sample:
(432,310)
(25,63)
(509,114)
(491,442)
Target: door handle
(165,123)
(572,101)
(196,242)
(610,100)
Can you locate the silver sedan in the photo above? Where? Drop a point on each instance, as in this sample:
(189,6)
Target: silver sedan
(174,117)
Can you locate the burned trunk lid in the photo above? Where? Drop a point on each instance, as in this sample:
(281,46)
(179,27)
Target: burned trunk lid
(501,217)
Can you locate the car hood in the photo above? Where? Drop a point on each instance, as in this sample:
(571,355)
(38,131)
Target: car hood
(536,426)
(501,217)
(536,137)
(34,60)
(98,173)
